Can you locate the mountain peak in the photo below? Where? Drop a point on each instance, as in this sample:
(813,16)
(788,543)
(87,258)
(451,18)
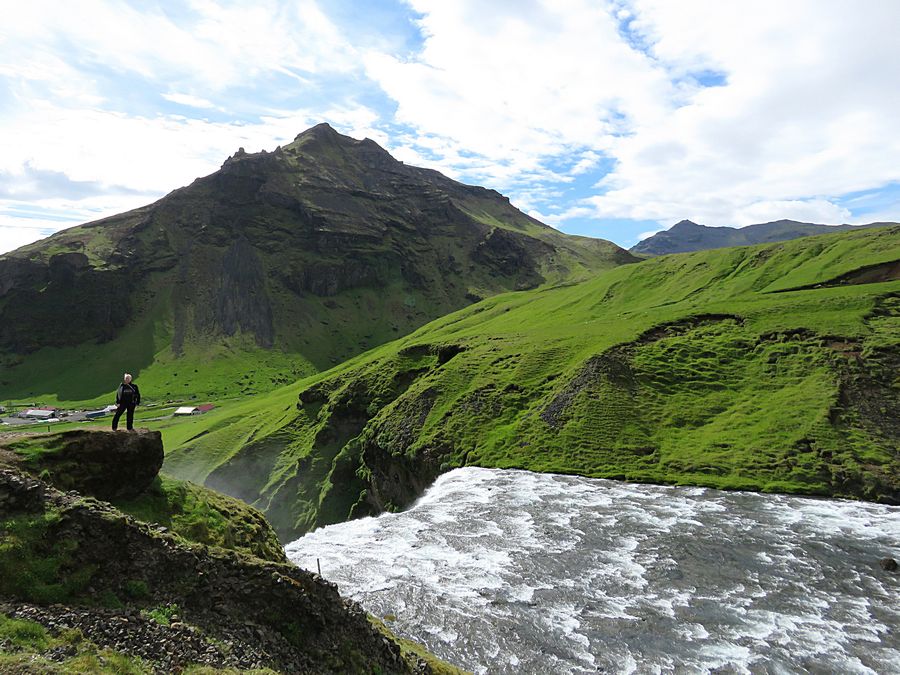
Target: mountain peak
(683,224)
(689,236)
(320,130)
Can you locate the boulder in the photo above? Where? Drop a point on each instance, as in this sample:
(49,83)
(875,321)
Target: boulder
(19,493)
(108,465)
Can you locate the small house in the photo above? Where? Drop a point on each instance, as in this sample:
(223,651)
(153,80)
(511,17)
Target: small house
(39,413)
(186,410)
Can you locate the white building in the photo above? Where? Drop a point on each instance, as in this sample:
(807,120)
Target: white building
(187,410)
(38,414)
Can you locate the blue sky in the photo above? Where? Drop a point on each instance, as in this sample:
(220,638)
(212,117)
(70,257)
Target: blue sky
(610,118)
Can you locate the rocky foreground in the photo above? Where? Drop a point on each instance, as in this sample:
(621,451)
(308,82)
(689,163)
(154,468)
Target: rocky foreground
(70,562)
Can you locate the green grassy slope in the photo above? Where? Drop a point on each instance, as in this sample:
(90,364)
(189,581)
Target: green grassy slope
(700,368)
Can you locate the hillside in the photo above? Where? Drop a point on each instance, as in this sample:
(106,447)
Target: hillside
(686,236)
(279,265)
(763,368)
(196,583)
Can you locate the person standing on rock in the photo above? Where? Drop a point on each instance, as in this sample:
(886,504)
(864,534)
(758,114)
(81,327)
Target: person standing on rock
(127,397)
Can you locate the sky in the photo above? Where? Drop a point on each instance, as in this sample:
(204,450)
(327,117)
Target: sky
(607,118)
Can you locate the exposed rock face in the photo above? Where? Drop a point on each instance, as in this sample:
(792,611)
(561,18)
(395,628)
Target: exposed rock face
(107,465)
(40,298)
(20,493)
(242,302)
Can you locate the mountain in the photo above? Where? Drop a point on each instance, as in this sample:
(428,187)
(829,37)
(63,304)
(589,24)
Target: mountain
(278,265)
(688,236)
(771,367)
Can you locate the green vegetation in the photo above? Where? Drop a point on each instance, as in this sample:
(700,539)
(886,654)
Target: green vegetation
(413,651)
(23,634)
(28,644)
(203,516)
(36,566)
(195,513)
(701,368)
(162,614)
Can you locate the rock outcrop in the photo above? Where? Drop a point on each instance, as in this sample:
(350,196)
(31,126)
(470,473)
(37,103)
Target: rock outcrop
(108,465)
(86,551)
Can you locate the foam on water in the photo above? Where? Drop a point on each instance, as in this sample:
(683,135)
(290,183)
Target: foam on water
(515,572)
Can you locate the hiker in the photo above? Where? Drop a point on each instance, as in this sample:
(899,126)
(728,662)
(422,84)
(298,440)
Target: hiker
(127,397)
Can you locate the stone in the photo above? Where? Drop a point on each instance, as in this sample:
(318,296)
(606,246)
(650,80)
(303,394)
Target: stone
(104,464)
(888,564)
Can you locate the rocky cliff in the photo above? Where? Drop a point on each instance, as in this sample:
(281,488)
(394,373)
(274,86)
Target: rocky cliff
(70,561)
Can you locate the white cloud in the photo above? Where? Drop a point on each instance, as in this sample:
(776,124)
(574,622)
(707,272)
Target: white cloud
(212,45)
(520,83)
(807,110)
(805,113)
(189,100)
(588,161)
(535,98)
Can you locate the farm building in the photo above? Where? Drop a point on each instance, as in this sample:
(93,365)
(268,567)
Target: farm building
(194,409)
(39,413)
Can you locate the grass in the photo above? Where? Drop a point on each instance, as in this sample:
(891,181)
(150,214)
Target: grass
(771,392)
(28,641)
(22,634)
(28,645)
(36,566)
(162,614)
(206,517)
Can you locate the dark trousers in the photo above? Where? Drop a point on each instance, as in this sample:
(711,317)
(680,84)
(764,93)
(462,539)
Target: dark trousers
(129,419)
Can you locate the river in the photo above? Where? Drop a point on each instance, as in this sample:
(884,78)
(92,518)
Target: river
(516,572)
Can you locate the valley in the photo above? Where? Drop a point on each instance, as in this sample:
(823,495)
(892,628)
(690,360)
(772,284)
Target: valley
(699,369)
(348,329)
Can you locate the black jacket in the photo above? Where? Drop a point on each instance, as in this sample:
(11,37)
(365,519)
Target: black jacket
(128,394)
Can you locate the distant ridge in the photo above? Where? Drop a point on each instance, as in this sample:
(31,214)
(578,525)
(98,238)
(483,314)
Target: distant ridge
(686,236)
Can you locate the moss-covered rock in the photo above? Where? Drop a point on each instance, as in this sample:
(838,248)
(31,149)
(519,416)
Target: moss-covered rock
(64,548)
(204,516)
(107,465)
(123,468)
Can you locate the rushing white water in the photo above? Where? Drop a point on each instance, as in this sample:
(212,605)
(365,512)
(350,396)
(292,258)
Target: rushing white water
(516,572)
